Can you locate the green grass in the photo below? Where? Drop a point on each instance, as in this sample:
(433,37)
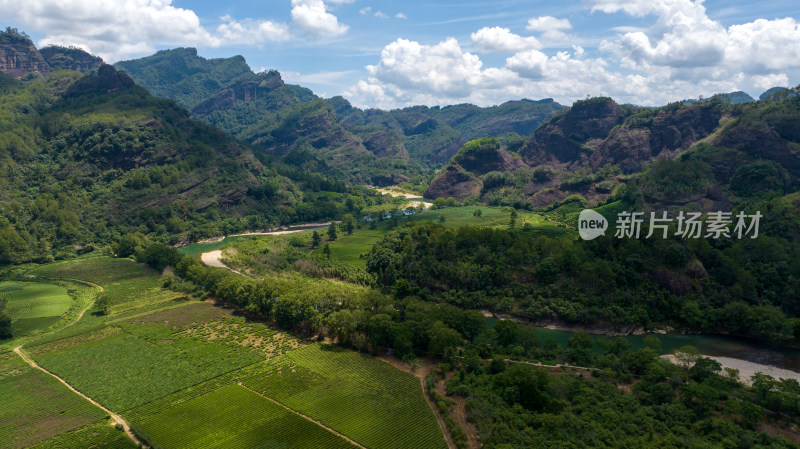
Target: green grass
(34,306)
(36,406)
(362,397)
(232,418)
(98,435)
(132,363)
(128,285)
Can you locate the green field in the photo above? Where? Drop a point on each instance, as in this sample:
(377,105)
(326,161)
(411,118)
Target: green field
(359,396)
(128,285)
(36,406)
(134,362)
(235,418)
(99,435)
(33,306)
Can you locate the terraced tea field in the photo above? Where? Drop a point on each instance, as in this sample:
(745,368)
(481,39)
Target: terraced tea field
(236,418)
(36,407)
(362,397)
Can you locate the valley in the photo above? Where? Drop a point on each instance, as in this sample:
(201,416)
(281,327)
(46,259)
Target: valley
(196,255)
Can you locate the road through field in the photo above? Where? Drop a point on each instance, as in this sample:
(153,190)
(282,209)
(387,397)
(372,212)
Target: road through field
(115,419)
(306,417)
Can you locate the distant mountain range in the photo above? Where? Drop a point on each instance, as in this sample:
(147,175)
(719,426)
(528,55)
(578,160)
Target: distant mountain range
(88,153)
(367,146)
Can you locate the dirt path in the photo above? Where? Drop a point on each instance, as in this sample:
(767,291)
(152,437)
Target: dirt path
(421,373)
(115,419)
(306,417)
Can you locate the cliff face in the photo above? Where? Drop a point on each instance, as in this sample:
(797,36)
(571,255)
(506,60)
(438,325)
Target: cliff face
(19,57)
(562,141)
(454,182)
(665,135)
(63,58)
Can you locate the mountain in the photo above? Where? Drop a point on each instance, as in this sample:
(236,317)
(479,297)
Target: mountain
(18,55)
(70,58)
(86,158)
(737,97)
(362,146)
(704,156)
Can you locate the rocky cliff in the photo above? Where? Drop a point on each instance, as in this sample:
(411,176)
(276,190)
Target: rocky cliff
(70,58)
(18,55)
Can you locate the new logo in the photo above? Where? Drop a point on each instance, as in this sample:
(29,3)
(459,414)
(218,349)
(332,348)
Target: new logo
(591,224)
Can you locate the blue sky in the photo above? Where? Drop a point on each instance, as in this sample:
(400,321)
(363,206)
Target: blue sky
(392,54)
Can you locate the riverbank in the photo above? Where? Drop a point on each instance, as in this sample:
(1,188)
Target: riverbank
(746,368)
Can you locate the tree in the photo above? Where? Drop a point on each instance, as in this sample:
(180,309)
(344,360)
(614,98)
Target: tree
(316,239)
(687,355)
(477,213)
(513,221)
(704,368)
(507,332)
(332,231)
(326,250)
(443,339)
(580,346)
(442,218)
(101,305)
(348,224)
(6,327)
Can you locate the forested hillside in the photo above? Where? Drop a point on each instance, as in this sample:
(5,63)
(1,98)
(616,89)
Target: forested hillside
(87,158)
(360,146)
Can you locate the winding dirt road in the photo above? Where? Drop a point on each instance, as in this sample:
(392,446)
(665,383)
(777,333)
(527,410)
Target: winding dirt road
(115,419)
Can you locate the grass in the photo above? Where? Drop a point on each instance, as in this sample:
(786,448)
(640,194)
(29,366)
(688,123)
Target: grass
(36,407)
(234,417)
(128,285)
(99,435)
(139,360)
(359,396)
(33,306)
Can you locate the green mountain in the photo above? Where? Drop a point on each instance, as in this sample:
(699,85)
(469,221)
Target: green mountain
(705,156)
(88,158)
(361,146)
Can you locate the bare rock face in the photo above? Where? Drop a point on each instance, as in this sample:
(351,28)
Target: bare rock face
(19,57)
(386,143)
(560,142)
(64,58)
(669,133)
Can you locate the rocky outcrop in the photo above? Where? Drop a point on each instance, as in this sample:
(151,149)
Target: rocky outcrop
(564,139)
(19,57)
(386,143)
(107,80)
(250,89)
(454,182)
(70,58)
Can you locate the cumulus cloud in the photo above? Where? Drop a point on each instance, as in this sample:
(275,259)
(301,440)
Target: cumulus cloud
(502,40)
(117,30)
(400,16)
(381,15)
(686,40)
(313,17)
(551,27)
(252,32)
(548,23)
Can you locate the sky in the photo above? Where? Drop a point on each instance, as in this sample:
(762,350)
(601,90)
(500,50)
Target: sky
(390,54)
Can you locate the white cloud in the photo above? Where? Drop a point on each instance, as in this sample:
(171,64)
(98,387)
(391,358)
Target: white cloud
(548,23)
(502,40)
(252,32)
(365,10)
(381,15)
(551,28)
(767,81)
(120,29)
(110,29)
(313,17)
(400,16)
